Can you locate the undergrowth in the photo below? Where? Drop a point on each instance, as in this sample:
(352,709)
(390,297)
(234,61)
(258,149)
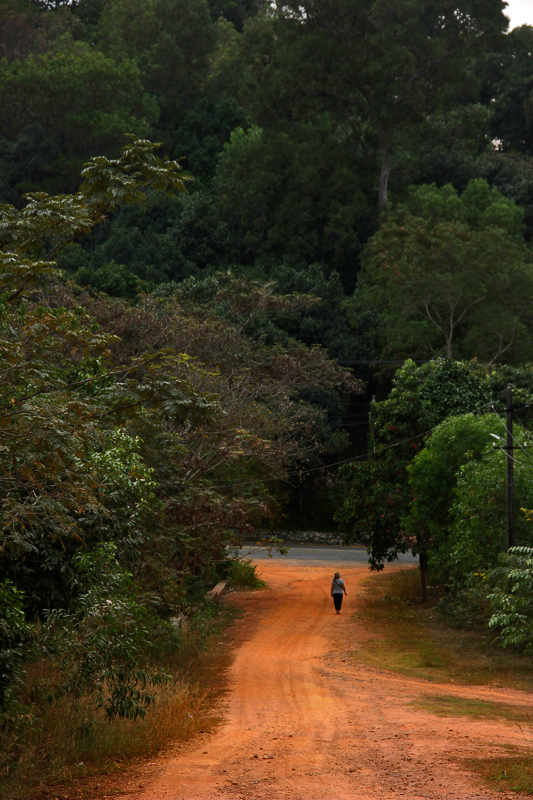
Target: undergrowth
(58,742)
(415,640)
(243,575)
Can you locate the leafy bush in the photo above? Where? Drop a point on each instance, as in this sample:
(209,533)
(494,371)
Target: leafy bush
(243,575)
(512,602)
(433,476)
(16,640)
(465,605)
(478,534)
(98,645)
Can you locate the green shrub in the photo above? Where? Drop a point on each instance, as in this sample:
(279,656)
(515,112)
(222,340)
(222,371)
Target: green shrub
(243,575)
(512,602)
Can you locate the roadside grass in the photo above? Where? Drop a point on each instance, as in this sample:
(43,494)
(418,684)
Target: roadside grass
(513,773)
(243,575)
(67,741)
(66,746)
(443,705)
(412,639)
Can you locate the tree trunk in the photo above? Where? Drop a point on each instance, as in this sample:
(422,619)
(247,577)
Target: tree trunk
(449,351)
(423,560)
(386,163)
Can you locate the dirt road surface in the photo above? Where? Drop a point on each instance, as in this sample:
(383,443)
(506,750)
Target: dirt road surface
(304,721)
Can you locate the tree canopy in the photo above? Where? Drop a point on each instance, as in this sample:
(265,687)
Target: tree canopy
(376,66)
(336,181)
(451,275)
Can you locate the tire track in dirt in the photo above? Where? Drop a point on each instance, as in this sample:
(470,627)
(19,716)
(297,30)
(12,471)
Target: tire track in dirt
(302,721)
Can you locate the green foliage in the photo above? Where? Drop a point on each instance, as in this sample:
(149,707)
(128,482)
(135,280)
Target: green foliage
(451,275)
(433,476)
(234,11)
(293,195)
(17,640)
(81,101)
(379,497)
(168,238)
(425,394)
(60,490)
(511,603)
(243,575)
(47,224)
(377,67)
(98,645)
(291,304)
(512,174)
(205,129)
(511,119)
(374,505)
(170,40)
(259,313)
(332,320)
(114,279)
(89,13)
(455,147)
(446,148)
(114,427)
(478,533)
(27,162)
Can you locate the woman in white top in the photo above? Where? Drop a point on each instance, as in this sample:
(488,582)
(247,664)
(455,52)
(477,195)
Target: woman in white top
(338,590)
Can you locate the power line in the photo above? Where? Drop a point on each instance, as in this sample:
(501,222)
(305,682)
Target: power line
(520,446)
(325,466)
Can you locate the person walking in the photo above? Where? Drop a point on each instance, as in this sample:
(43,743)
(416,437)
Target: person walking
(338,589)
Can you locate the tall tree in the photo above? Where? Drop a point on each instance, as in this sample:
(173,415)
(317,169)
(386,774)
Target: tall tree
(302,194)
(378,494)
(451,275)
(77,98)
(25,31)
(378,66)
(170,40)
(512,92)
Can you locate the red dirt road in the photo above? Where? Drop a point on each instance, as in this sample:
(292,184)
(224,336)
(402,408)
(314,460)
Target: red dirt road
(303,721)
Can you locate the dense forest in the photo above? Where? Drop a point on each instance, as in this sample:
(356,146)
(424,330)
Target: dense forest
(226,225)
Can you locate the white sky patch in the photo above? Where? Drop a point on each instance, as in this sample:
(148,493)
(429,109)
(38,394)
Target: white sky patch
(520,12)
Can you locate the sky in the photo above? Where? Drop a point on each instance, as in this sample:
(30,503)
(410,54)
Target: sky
(520,12)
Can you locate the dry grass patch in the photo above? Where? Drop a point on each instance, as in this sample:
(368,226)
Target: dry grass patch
(67,741)
(506,774)
(412,639)
(443,705)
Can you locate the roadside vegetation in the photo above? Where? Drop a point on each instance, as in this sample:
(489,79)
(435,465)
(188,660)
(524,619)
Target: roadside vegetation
(65,741)
(191,332)
(138,445)
(416,640)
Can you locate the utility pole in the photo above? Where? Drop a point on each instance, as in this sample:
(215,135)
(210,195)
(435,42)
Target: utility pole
(509,447)
(372,440)
(510,467)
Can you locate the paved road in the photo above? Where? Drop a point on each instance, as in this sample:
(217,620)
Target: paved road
(338,554)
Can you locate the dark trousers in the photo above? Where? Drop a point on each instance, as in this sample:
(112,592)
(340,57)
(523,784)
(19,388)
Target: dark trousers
(337,599)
